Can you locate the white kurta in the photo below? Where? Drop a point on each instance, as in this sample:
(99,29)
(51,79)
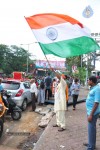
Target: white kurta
(33,88)
(60,96)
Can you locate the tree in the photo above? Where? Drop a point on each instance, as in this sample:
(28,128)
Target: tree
(13,58)
(82,63)
(81,74)
(73,61)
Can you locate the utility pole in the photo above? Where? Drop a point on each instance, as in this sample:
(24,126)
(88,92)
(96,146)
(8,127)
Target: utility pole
(94,58)
(27,61)
(96,37)
(87,72)
(81,61)
(27,58)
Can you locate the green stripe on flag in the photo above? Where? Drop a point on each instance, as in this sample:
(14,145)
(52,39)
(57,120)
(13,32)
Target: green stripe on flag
(72,47)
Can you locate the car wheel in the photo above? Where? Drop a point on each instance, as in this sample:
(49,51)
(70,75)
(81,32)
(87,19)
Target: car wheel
(1,127)
(24,105)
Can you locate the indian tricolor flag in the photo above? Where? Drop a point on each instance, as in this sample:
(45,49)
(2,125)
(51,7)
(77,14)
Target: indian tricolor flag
(61,35)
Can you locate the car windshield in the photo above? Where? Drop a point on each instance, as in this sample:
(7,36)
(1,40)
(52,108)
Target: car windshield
(10,85)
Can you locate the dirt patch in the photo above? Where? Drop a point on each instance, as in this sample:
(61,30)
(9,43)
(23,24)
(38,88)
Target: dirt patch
(22,134)
(29,143)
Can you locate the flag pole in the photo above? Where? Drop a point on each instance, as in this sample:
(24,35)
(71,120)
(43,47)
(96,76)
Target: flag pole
(44,55)
(57,74)
(50,64)
(48,61)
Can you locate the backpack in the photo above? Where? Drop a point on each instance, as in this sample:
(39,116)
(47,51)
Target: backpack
(42,85)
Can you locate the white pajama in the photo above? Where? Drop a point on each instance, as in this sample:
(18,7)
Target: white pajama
(60,103)
(60,118)
(41,96)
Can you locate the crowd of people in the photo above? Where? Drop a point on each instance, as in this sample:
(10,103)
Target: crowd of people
(60,87)
(45,88)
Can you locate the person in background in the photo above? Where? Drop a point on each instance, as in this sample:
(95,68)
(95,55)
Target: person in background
(60,103)
(1,88)
(36,82)
(54,84)
(93,111)
(48,82)
(33,90)
(41,94)
(75,88)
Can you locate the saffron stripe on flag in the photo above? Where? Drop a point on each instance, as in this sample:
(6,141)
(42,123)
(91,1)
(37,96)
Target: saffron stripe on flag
(47,19)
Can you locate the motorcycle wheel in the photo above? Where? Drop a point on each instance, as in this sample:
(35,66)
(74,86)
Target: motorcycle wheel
(1,127)
(16,115)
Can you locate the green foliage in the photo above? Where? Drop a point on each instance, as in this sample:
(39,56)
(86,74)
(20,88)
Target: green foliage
(13,58)
(30,77)
(81,74)
(73,61)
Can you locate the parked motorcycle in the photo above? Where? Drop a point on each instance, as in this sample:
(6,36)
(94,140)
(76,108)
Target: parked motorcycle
(12,108)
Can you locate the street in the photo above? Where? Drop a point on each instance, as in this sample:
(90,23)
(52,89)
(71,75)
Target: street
(22,134)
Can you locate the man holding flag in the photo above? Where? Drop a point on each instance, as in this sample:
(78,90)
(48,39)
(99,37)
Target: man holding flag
(62,36)
(60,102)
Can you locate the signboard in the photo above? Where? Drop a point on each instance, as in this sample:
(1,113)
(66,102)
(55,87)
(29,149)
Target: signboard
(54,64)
(18,75)
(74,69)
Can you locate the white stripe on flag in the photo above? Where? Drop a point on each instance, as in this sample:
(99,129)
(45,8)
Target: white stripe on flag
(65,31)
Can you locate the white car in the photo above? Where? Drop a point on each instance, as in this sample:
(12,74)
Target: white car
(20,92)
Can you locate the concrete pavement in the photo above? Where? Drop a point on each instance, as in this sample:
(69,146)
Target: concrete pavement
(74,135)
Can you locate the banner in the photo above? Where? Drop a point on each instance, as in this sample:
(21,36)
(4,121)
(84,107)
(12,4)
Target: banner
(54,64)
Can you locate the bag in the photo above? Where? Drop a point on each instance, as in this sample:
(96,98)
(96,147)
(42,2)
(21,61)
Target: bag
(42,85)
